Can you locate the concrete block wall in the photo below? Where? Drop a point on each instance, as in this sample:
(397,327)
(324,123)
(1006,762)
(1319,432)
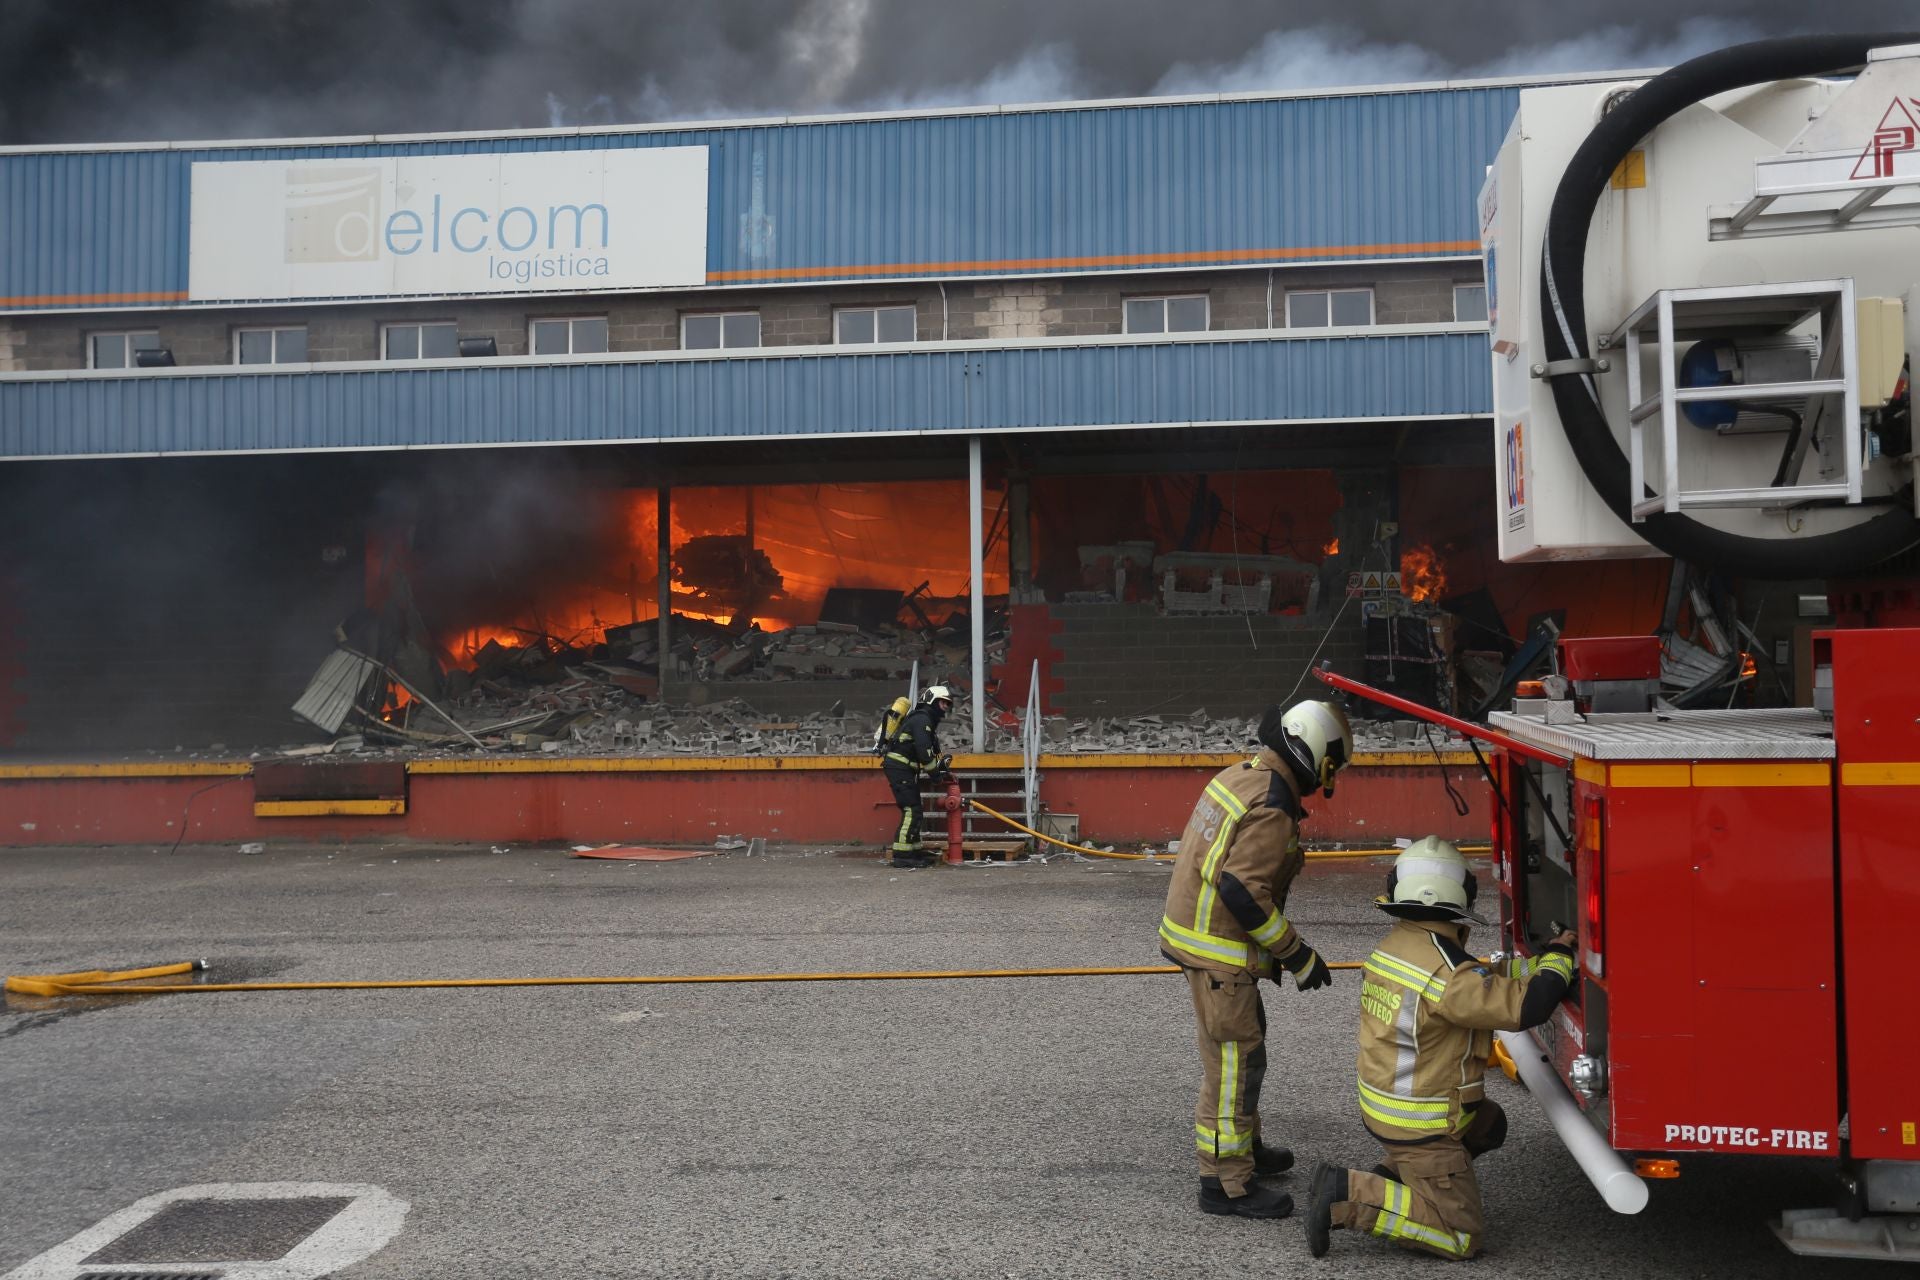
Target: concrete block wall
(213,671)
(1065,306)
(783,699)
(151,610)
(1129,659)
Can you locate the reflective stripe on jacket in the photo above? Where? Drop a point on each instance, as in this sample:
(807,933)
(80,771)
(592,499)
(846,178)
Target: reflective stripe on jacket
(914,743)
(1238,856)
(1428,1011)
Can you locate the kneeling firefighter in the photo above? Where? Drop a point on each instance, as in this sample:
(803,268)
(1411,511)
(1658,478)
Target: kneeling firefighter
(1428,1011)
(912,755)
(1225,926)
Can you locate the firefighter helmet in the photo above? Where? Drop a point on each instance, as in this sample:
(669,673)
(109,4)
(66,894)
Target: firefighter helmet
(936,693)
(1430,881)
(1316,735)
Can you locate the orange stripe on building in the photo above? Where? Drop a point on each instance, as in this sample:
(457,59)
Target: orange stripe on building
(83,299)
(1103,260)
(1195,258)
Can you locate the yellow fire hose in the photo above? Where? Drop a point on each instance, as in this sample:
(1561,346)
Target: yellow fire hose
(103,982)
(1312,854)
(100,983)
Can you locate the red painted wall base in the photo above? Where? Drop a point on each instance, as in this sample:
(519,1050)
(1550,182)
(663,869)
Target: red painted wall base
(824,806)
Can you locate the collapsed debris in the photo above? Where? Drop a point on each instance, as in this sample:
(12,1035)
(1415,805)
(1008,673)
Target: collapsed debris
(586,717)
(389,688)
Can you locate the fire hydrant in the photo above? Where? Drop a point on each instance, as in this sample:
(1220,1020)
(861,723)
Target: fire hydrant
(956,807)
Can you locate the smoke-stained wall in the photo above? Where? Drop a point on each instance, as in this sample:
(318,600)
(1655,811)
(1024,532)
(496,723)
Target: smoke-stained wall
(164,603)
(1036,307)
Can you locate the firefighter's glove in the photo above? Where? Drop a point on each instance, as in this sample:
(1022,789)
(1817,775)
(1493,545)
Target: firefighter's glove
(1308,969)
(943,764)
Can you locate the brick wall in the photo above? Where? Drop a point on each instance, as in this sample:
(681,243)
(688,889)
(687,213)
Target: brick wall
(1068,306)
(1128,659)
(1090,306)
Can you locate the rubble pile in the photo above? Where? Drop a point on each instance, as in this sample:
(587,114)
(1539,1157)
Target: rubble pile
(585,717)
(1201,733)
(385,690)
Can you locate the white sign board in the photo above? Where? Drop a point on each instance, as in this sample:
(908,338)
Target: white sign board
(510,222)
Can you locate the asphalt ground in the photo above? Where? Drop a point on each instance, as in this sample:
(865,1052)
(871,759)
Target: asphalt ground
(1003,1128)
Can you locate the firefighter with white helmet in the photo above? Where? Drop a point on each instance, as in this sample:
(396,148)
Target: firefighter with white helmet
(1225,925)
(911,753)
(1428,1011)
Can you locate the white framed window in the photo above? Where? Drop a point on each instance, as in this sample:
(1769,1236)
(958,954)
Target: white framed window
(874,324)
(1320,308)
(434,340)
(1470,303)
(717,329)
(115,350)
(1184,313)
(567,336)
(270,346)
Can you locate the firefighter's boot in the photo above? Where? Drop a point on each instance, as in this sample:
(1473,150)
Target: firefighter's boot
(1259,1202)
(1328,1188)
(1270,1162)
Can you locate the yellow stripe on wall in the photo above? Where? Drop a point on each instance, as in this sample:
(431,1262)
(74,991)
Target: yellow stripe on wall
(708,764)
(143,769)
(328,808)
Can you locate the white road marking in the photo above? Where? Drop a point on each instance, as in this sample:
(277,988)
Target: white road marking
(356,1233)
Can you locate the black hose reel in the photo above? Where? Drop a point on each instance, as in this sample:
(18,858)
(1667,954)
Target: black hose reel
(1564,325)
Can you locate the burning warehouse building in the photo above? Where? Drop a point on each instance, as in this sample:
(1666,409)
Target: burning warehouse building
(565,438)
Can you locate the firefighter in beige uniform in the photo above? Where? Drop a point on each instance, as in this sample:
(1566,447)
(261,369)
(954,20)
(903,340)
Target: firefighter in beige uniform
(1428,1011)
(1224,925)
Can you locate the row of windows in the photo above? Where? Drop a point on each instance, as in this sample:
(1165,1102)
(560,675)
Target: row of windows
(570,335)
(582,335)
(1306,309)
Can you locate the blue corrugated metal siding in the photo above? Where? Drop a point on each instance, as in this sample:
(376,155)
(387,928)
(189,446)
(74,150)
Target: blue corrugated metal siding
(1223,183)
(998,389)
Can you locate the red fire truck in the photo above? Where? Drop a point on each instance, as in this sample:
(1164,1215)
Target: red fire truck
(1702,312)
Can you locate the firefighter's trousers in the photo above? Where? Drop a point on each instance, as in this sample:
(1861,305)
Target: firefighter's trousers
(905,784)
(1233,1055)
(1434,1205)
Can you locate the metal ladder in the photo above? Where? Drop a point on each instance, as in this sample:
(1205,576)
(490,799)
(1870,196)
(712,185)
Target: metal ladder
(1014,792)
(1001,789)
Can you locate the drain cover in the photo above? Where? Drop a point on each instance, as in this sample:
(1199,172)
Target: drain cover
(188,1231)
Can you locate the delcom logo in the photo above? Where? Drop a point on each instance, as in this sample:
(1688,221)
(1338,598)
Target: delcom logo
(333,213)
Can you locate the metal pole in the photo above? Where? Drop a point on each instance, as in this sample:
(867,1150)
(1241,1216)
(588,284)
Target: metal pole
(663,513)
(976,607)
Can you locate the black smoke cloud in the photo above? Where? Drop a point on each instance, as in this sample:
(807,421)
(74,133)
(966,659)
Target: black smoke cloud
(136,70)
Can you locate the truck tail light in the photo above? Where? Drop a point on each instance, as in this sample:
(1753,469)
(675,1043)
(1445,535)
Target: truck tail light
(1593,825)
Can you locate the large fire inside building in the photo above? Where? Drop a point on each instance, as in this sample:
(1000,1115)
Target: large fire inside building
(609,444)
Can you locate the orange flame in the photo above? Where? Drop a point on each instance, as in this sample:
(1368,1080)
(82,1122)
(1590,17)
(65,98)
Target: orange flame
(1332,548)
(1422,576)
